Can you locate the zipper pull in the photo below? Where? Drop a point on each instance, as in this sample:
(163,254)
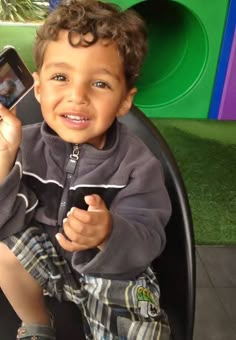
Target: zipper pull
(74,157)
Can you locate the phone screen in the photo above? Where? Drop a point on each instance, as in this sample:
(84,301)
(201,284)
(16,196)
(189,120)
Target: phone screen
(15,79)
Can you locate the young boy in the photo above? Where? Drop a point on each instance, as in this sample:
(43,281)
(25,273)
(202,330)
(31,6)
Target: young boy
(83,201)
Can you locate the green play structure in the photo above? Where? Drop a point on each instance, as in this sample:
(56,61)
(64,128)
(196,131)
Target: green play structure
(184,44)
(178,75)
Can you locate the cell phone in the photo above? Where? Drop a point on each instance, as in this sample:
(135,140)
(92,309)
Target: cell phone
(15,78)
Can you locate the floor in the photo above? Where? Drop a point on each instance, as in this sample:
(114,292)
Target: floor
(216,293)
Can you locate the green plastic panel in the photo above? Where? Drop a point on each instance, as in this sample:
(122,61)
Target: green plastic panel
(185,38)
(174,64)
(124,4)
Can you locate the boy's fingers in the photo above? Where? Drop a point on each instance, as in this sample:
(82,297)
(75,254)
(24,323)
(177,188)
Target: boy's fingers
(87,217)
(95,202)
(68,245)
(79,214)
(13,111)
(3,112)
(75,231)
(74,227)
(8,116)
(83,236)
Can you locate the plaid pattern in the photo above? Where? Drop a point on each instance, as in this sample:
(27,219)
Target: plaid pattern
(112,309)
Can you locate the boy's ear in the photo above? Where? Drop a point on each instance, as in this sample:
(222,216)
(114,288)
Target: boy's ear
(127,102)
(36,86)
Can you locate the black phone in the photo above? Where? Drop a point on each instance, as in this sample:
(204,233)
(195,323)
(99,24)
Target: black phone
(15,78)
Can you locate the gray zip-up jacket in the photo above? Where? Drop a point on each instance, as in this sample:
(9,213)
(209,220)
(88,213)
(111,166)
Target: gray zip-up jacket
(50,176)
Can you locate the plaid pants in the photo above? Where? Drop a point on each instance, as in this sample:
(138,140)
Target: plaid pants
(112,309)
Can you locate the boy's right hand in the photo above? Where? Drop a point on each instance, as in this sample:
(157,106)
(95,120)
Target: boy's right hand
(10,139)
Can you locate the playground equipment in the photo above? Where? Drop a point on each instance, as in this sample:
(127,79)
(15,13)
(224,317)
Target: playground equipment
(184,44)
(224,96)
(228,101)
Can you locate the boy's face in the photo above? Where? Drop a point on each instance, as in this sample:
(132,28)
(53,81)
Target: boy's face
(81,90)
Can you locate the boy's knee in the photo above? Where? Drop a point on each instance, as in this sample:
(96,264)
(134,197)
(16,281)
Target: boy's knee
(7,258)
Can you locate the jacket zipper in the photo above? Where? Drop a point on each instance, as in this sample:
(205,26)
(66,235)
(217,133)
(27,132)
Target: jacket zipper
(70,169)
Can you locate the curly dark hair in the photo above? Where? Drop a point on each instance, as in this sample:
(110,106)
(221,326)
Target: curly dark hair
(104,21)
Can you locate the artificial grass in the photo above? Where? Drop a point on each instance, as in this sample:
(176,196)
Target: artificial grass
(206,154)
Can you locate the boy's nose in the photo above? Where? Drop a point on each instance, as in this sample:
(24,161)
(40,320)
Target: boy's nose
(78,94)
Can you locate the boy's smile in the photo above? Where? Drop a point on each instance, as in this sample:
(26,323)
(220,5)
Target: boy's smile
(82,89)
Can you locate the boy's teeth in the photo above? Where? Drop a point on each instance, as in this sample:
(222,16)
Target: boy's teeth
(76,118)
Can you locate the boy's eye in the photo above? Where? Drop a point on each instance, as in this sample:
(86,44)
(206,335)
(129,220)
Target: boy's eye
(59,77)
(101,84)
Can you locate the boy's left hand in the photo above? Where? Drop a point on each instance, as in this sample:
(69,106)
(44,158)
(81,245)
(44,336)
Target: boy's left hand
(86,229)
